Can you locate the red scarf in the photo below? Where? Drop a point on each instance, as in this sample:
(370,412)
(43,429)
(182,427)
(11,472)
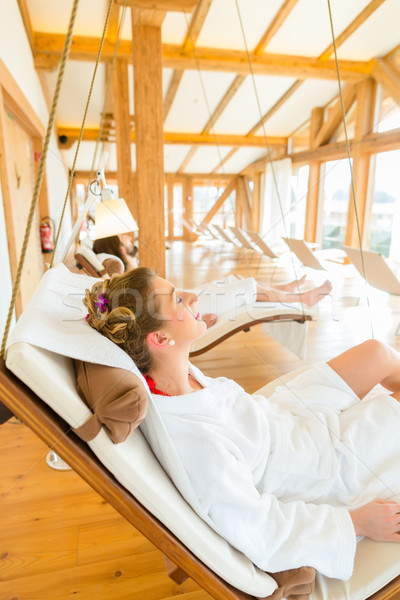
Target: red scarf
(152,386)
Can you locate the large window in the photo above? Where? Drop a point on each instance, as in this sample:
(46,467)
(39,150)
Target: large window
(336,203)
(173,211)
(297,214)
(385,213)
(204,198)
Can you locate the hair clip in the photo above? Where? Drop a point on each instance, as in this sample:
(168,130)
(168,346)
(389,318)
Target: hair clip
(101,303)
(87,317)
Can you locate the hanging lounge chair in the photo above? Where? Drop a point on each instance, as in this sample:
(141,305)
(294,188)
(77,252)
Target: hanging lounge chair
(240,319)
(42,392)
(374,268)
(304,253)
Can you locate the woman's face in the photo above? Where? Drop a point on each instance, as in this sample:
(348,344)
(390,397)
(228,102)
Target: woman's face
(177,310)
(127,242)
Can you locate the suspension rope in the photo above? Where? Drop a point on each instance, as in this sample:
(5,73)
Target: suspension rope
(39,176)
(213,132)
(353,189)
(108,89)
(269,153)
(72,170)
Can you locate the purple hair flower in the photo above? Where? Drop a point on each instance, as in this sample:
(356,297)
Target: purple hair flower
(101,303)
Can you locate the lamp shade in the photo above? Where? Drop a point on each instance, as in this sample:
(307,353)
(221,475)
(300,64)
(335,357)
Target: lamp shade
(112,218)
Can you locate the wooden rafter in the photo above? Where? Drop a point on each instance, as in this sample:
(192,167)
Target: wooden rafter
(224,196)
(171,92)
(335,117)
(275,25)
(196,23)
(350,29)
(113,25)
(387,74)
(48,48)
(90,134)
(275,107)
(172,5)
(237,82)
(23,9)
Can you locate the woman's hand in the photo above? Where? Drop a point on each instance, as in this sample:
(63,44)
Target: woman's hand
(379,520)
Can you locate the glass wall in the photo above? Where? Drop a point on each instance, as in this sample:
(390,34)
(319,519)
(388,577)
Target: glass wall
(297,214)
(178,209)
(385,213)
(336,195)
(204,198)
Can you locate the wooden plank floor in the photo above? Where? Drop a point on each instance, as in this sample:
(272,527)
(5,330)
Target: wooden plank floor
(60,540)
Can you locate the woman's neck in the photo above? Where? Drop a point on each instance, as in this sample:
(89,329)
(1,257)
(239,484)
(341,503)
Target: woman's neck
(170,372)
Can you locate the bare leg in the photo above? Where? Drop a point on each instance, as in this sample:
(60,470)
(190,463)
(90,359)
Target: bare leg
(292,286)
(309,298)
(368,364)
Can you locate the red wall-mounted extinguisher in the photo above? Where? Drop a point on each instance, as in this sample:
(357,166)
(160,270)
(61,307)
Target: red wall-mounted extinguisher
(46,234)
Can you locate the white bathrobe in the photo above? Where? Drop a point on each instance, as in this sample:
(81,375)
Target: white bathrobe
(275,475)
(226,294)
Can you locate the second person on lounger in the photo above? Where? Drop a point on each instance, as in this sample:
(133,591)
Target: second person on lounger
(220,296)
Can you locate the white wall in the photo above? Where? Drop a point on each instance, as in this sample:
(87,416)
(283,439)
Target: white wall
(5,272)
(16,54)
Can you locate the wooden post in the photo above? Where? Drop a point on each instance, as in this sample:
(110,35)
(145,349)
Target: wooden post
(123,134)
(147,67)
(188,208)
(366,94)
(310,229)
(170,203)
(256,206)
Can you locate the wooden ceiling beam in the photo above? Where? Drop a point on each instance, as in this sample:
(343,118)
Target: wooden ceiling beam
(275,24)
(172,91)
(198,178)
(237,82)
(23,9)
(172,5)
(214,59)
(335,117)
(220,201)
(71,134)
(293,88)
(386,73)
(48,48)
(196,23)
(350,29)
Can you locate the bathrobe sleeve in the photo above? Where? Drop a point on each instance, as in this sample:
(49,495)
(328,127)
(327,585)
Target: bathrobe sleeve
(275,535)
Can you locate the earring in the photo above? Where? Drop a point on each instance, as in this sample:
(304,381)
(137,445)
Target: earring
(171,342)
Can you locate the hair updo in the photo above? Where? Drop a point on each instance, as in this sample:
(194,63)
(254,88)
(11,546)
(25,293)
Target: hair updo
(120,309)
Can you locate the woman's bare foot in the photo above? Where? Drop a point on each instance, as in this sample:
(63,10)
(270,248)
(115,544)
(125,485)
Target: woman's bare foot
(210,319)
(313,296)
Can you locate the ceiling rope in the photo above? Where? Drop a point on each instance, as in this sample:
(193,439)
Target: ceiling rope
(72,170)
(39,176)
(349,160)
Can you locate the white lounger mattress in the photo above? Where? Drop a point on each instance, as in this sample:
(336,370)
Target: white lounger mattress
(246,314)
(135,466)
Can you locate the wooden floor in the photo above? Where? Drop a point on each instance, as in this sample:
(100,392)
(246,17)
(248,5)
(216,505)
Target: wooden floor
(58,538)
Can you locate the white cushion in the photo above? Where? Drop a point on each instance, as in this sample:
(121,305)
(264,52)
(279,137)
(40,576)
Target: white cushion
(52,377)
(242,315)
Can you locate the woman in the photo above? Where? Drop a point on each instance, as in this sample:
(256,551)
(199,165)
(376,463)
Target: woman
(289,480)
(121,246)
